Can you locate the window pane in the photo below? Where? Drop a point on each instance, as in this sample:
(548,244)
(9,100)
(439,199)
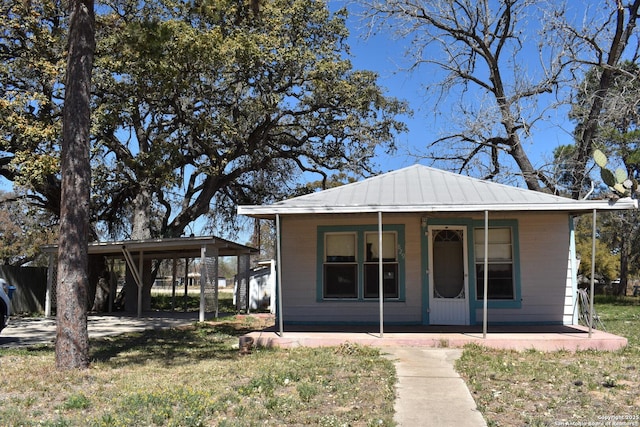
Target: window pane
(448,264)
(340,247)
(496,235)
(500,248)
(388,246)
(500,281)
(372,284)
(500,251)
(499,235)
(340,281)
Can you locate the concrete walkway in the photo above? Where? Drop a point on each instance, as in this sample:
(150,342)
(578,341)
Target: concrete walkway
(429,391)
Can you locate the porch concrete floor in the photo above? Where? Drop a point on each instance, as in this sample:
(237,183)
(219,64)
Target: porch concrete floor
(519,338)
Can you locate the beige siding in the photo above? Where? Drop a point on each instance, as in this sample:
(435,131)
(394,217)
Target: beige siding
(299,279)
(546,280)
(570,313)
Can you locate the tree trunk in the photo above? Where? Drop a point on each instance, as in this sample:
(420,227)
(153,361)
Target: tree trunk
(529,173)
(141,220)
(619,41)
(72,339)
(140,230)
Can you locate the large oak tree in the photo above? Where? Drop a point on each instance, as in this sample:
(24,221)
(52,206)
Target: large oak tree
(198,106)
(203,105)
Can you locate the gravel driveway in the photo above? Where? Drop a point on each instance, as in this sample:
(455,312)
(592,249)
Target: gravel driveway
(25,331)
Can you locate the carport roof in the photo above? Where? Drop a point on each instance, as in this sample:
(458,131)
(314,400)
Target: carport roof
(166,248)
(420,188)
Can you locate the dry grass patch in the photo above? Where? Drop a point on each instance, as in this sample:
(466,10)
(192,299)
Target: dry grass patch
(194,376)
(561,388)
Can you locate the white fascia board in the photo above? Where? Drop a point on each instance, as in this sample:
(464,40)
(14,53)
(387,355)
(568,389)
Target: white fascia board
(571,206)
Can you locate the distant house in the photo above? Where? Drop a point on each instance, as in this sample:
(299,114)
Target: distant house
(425,229)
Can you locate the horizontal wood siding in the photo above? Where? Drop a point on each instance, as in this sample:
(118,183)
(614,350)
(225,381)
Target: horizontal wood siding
(299,246)
(545,280)
(570,313)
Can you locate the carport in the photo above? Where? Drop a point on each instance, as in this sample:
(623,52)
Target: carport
(135,252)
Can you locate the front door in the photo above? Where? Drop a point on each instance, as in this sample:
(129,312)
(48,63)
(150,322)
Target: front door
(448,278)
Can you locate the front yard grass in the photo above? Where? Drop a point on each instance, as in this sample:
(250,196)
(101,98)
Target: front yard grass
(586,388)
(194,376)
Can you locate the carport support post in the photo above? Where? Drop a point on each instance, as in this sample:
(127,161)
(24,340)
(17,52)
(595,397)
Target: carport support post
(380,277)
(136,273)
(113,286)
(203,281)
(47,295)
(140,283)
(186,284)
(216,271)
(279,276)
(174,277)
(485,276)
(593,272)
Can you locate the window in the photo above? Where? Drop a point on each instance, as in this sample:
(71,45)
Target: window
(500,263)
(389,265)
(348,262)
(340,266)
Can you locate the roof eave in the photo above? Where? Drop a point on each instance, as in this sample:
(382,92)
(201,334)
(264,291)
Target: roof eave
(185,246)
(572,206)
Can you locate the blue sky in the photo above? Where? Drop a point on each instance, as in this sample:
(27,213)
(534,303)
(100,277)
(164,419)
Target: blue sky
(385,54)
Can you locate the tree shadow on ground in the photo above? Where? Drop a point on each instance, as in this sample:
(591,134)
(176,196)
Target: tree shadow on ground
(172,347)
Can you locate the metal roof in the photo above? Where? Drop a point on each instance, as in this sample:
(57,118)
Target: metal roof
(166,248)
(420,188)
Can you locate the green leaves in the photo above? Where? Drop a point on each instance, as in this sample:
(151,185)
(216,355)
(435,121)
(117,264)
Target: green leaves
(204,105)
(31,74)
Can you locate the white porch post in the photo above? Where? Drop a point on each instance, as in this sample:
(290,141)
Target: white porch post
(203,281)
(593,272)
(279,276)
(380,278)
(485,277)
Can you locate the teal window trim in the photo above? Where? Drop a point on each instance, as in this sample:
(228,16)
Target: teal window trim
(516,302)
(360,231)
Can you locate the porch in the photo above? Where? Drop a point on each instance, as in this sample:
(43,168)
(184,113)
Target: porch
(518,338)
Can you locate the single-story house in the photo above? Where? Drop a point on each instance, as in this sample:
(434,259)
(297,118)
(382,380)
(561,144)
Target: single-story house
(430,240)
